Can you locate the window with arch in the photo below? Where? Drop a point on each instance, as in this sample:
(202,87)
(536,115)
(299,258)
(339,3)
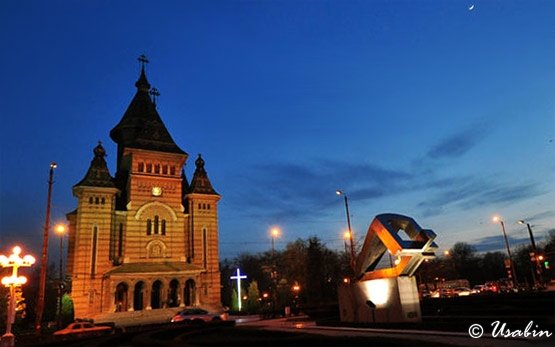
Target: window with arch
(93,250)
(149,167)
(96,200)
(141,167)
(163,227)
(149,226)
(204,248)
(172,170)
(103,201)
(157,168)
(156,222)
(165,169)
(91,200)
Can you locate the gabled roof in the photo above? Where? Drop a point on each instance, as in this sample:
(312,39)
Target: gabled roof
(141,126)
(200,184)
(98,174)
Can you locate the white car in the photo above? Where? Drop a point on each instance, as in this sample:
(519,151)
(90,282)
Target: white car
(462,291)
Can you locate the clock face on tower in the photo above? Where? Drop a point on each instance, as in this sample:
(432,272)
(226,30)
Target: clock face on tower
(156,191)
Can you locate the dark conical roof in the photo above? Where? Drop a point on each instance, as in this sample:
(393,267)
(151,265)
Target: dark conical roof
(98,174)
(200,184)
(141,126)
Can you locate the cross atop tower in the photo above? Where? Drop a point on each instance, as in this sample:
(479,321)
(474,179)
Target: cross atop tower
(143,59)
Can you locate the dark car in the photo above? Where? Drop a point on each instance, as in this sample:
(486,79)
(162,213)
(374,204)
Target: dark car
(198,315)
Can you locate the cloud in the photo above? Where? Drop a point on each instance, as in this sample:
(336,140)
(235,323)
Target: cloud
(288,190)
(457,144)
(497,243)
(470,193)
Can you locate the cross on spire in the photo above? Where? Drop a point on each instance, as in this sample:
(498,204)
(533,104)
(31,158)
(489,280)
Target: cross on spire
(155,93)
(143,60)
(238,277)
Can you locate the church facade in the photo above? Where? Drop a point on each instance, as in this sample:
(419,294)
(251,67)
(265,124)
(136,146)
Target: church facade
(144,238)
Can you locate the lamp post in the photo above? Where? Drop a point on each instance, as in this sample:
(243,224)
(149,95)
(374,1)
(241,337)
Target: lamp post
(60,230)
(535,254)
(340,192)
(15,262)
(44,258)
(346,236)
(274,234)
(514,280)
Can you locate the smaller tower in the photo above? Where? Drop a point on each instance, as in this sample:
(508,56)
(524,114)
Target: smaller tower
(203,237)
(90,229)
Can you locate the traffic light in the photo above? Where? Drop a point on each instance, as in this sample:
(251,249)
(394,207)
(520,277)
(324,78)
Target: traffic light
(546,264)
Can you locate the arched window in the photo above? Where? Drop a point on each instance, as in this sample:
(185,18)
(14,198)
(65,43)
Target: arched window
(149,168)
(93,250)
(96,200)
(204,248)
(91,200)
(165,169)
(120,240)
(141,167)
(172,170)
(163,227)
(156,224)
(199,206)
(103,201)
(208,206)
(157,168)
(149,226)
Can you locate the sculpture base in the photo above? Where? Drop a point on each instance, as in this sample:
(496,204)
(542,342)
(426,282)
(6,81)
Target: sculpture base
(386,300)
(7,340)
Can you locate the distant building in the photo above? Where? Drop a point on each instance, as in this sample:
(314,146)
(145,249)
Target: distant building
(145,238)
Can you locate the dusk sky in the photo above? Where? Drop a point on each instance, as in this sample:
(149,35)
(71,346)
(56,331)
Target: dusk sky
(423,108)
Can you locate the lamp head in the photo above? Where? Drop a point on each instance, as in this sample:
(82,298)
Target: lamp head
(339,192)
(496,219)
(521,222)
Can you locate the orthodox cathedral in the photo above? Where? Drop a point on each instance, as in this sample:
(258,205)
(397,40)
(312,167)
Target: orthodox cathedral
(144,238)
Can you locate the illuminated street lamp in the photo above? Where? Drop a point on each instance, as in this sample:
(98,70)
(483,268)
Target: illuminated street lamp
(514,280)
(446,253)
(44,257)
(535,254)
(60,229)
(15,262)
(275,233)
(340,192)
(346,237)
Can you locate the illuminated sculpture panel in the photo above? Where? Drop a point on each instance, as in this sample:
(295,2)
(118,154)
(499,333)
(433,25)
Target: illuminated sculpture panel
(387,294)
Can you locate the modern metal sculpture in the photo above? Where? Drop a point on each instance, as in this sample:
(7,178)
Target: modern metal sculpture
(387,294)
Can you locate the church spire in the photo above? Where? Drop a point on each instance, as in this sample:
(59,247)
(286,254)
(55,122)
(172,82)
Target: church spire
(141,126)
(98,174)
(200,184)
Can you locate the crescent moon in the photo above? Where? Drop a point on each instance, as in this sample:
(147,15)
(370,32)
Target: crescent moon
(471,7)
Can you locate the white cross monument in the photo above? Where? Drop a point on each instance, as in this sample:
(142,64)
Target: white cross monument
(238,277)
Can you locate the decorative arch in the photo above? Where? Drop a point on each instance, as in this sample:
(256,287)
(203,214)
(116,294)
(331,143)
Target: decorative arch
(156,249)
(155,204)
(120,297)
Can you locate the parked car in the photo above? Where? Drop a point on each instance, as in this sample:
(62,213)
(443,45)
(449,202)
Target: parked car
(84,329)
(461,291)
(198,315)
(477,289)
(491,287)
(443,293)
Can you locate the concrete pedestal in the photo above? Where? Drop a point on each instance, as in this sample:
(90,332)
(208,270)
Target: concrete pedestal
(386,300)
(7,340)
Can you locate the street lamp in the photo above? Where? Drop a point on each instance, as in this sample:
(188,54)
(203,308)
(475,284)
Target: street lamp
(60,229)
(15,262)
(514,280)
(44,258)
(535,254)
(340,192)
(346,236)
(275,232)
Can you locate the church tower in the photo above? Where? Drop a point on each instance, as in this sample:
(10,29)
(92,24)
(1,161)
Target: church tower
(144,239)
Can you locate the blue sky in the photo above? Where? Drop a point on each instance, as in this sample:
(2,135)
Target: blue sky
(423,108)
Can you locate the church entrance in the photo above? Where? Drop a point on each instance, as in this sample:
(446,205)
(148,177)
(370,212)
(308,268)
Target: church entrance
(189,293)
(121,297)
(173,297)
(138,296)
(156,295)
